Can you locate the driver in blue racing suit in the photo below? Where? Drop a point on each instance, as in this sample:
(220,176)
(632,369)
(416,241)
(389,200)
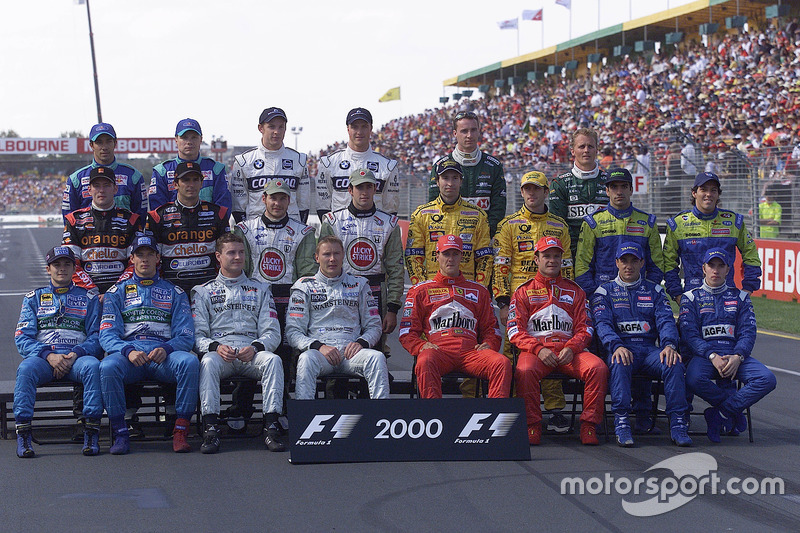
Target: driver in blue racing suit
(633,320)
(57,338)
(718,326)
(148,331)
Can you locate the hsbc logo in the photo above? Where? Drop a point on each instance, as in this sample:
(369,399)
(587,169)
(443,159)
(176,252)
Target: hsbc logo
(478,423)
(340,427)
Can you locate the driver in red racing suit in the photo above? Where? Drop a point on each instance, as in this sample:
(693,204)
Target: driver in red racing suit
(449,324)
(548,321)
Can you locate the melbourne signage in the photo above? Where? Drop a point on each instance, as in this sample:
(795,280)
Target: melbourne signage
(780,269)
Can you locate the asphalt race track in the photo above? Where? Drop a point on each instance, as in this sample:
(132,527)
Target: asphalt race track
(247,488)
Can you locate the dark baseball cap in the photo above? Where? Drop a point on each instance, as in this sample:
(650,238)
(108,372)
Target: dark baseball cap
(187,167)
(58,252)
(102,172)
(187,124)
(270,113)
(447,164)
(359,113)
(144,241)
(718,253)
(705,177)
(619,174)
(102,128)
(630,248)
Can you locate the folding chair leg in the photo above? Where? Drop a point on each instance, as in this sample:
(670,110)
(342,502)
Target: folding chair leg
(749,425)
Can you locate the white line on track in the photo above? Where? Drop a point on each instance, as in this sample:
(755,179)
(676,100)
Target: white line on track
(783,370)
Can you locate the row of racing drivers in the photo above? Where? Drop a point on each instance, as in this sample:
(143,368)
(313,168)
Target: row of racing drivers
(269,254)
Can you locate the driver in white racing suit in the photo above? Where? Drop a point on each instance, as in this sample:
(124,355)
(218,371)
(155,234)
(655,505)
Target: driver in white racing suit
(269,160)
(236,333)
(334,321)
(333,174)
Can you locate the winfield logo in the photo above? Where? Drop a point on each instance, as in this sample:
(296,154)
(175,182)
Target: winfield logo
(691,475)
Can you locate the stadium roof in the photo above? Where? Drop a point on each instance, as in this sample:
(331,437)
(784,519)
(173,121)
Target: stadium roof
(686,18)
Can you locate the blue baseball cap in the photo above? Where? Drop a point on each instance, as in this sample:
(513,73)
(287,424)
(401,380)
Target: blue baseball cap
(143,241)
(358,113)
(705,177)
(270,113)
(632,248)
(719,253)
(187,124)
(102,129)
(57,253)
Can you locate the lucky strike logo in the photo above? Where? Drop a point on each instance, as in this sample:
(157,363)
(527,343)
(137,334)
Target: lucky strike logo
(272,264)
(362,254)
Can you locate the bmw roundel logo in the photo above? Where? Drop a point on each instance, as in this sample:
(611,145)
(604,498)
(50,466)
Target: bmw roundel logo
(344,165)
(258,163)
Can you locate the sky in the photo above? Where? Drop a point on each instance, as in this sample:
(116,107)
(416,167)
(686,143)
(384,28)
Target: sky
(222,62)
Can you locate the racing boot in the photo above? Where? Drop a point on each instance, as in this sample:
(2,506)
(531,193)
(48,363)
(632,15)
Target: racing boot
(121,438)
(135,429)
(644,425)
(25,441)
(179,444)
(91,437)
(210,434)
(589,434)
(622,428)
(716,424)
(739,424)
(78,430)
(558,423)
(679,431)
(272,440)
(272,437)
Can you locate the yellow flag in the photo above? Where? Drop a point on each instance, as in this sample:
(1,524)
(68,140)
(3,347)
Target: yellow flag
(391,94)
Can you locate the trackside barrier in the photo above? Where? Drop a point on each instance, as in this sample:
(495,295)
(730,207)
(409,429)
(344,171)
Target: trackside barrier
(780,269)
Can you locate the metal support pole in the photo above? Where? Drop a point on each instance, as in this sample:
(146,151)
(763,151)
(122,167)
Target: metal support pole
(94,64)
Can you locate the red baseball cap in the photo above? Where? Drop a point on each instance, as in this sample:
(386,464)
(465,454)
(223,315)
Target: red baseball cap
(449,242)
(547,242)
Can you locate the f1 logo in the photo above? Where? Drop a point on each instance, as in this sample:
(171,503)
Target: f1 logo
(341,429)
(499,428)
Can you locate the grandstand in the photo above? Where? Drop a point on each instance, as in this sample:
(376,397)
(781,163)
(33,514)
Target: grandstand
(728,86)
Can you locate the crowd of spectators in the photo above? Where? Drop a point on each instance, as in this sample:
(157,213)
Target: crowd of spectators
(31,193)
(742,91)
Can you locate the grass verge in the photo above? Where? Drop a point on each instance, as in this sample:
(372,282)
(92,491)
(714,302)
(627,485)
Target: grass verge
(773,315)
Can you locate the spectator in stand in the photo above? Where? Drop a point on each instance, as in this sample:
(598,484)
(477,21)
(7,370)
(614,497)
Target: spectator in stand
(769,216)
